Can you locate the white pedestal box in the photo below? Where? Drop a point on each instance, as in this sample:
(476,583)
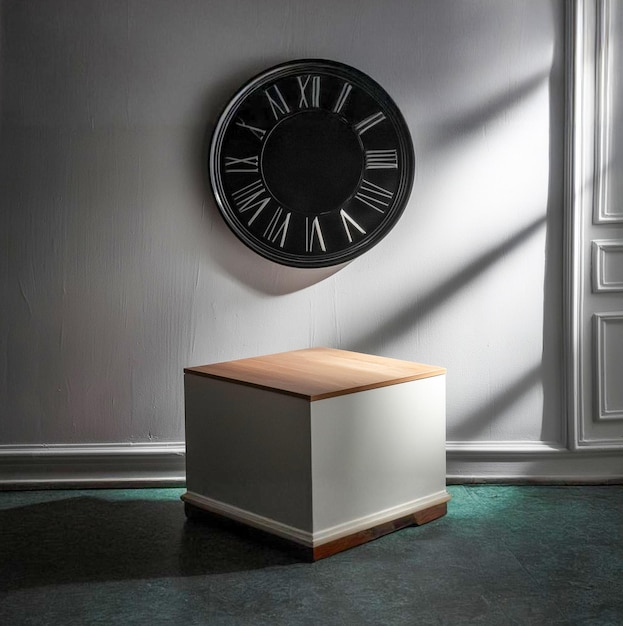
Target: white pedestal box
(325,448)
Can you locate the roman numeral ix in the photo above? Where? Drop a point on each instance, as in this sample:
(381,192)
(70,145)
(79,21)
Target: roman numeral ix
(244,165)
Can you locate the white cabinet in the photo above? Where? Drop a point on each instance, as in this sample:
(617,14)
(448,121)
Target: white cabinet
(325,448)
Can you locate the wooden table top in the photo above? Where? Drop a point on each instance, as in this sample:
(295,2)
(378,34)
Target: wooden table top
(317,373)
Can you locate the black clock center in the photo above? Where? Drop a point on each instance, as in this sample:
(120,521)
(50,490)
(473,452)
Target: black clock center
(312,162)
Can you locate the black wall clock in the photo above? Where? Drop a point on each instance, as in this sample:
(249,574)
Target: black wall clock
(311,163)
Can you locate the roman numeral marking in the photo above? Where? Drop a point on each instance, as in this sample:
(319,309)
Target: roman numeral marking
(346,220)
(381,159)
(258,132)
(245,165)
(369,122)
(342,98)
(312,232)
(374,196)
(314,92)
(278,225)
(251,197)
(278,105)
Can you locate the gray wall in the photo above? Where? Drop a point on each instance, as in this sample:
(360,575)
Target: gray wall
(117,270)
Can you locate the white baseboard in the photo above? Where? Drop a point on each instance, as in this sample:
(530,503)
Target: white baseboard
(530,462)
(92,465)
(319,537)
(163,464)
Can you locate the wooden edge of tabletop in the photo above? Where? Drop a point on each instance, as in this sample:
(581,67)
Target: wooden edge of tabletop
(311,397)
(317,373)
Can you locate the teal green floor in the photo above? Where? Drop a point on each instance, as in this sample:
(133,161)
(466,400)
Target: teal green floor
(503,555)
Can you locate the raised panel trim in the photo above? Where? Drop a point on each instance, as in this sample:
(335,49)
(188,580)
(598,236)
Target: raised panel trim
(600,249)
(579,192)
(603,412)
(603,212)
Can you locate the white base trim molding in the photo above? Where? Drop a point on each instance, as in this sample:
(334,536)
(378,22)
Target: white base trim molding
(92,465)
(530,462)
(164,464)
(320,537)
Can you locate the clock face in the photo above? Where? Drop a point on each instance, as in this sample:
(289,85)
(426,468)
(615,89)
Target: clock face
(311,163)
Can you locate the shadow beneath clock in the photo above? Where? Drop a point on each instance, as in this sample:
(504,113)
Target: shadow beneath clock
(258,273)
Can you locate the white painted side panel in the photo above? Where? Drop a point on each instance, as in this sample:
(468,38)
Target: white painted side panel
(377,450)
(250,449)
(595,280)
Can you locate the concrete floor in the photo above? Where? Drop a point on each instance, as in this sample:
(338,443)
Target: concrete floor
(503,555)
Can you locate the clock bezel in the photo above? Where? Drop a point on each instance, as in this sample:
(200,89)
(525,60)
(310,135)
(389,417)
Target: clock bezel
(389,108)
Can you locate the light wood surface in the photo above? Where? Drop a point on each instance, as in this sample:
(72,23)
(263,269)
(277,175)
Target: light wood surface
(317,373)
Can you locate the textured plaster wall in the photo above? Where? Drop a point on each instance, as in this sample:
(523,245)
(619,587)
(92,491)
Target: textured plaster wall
(116,269)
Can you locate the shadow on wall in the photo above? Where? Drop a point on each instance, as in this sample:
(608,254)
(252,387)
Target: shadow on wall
(478,420)
(423,305)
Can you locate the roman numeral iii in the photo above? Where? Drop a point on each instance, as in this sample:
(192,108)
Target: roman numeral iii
(381,159)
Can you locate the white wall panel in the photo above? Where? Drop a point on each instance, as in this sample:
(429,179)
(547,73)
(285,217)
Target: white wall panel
(594,261)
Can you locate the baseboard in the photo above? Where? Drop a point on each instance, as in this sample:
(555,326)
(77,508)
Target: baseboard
(163,464)
(319,537)
(92,465)
(530,463)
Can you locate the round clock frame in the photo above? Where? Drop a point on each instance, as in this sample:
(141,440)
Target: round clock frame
(311,163)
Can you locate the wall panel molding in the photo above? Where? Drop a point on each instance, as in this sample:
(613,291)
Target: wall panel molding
(92,465)
(578,57)
(590,218)
(608,365)
(607,259)
(604,211)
